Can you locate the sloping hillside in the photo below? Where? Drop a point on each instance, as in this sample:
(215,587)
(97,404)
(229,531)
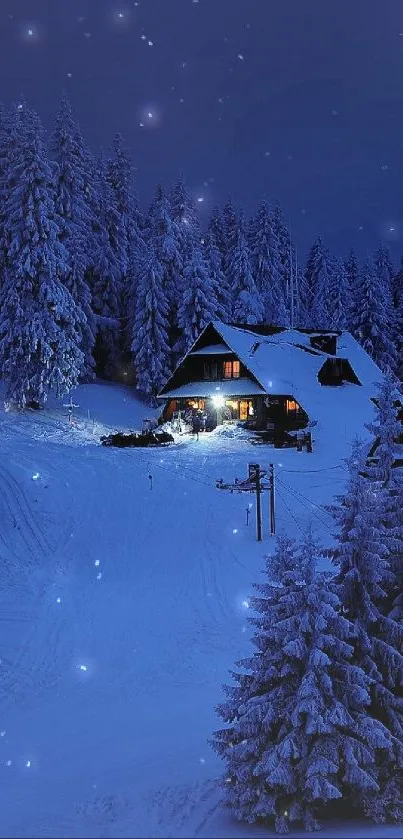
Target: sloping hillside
(123,607)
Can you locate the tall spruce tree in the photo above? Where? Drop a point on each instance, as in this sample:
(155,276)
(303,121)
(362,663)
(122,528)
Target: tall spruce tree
(198,305)
(5,138)
(215,250)
(287,259)
(40,324)
(213,263)
(370,318)
(150,332)
(230,219)
(162,236)
(131,243)
(338,295)
(75,221)
(297,733)
(106,277)
(316,287)
(363,582)
(384,470)
(267,267)
(248,305)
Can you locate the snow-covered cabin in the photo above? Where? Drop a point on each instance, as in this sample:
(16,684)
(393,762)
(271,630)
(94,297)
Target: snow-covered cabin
(272,377)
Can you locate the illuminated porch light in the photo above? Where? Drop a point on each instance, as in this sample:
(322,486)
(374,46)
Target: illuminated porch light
(218,401)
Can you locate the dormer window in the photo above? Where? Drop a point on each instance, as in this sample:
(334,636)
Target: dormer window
(231,369)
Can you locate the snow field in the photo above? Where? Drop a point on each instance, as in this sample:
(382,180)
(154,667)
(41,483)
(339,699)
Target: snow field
(123,609)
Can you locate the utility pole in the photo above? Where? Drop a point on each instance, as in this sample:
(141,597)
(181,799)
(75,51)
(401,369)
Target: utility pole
(254,475)
(253,483)
(272,501)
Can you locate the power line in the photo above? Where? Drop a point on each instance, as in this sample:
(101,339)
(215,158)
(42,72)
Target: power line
(311,471)
(289,511)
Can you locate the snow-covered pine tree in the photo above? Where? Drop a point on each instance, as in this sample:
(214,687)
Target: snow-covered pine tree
(150,332)
(384,268)
(5,131)
(230,220)
(384,273)
(213,264)
(316,287)
(370,318)
(161,235)
(297,733)
(386,479)
(338,295)
(198,304)
(363,581)
(353,269)
(248,304)
(267,267)
(215,249)
(287,261)
(75,221)
(40,324)
(106,275)
(131,243)
(397,287)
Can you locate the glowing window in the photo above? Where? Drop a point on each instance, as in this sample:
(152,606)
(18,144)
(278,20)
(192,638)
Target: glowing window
(231,369)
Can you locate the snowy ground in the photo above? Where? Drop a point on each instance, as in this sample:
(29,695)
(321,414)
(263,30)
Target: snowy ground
(122,609)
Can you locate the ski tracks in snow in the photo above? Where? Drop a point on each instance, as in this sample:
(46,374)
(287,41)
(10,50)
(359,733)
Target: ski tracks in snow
(32,663)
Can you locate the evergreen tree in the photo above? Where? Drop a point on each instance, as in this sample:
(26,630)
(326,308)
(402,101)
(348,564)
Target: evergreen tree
(150,333)
(267,267)
(75,221)
(287,258)
(353,269)
(316,287)
(162,236)
(298,735)
(397,288)
(384,270)
(106,277)
(338,295)
(198,305)
(370,317)
(230,223)
(215,248)
(5,131)
(213,264)
(248,305)
(363,582)
(40,324)
(130,243)
(387,483)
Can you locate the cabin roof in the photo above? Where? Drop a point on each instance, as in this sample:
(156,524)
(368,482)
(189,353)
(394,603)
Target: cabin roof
(285,363)
(227,387)
(282,362)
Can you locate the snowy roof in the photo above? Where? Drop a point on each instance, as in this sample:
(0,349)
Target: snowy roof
(212,349)
(285,364)
(205,389)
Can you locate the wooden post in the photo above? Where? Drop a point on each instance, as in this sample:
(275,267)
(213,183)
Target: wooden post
(272,501)
(258,504)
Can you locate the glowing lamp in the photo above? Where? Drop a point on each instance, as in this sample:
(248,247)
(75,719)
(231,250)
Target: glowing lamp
(218,400)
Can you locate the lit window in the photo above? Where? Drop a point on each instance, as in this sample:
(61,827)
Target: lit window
(231,369)
(292,406)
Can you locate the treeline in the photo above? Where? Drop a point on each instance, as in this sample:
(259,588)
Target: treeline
(92,284)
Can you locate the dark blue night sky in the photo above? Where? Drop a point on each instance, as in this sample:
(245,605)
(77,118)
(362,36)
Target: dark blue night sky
(299,101)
